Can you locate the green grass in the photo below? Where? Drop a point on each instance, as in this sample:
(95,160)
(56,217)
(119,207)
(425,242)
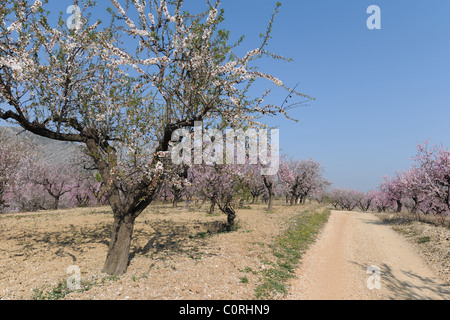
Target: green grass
(288,250)
(200,235)
(56,293)
(244,280)
(424,240)
(62,290)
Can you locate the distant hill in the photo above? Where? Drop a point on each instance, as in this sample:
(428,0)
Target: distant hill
(55,151)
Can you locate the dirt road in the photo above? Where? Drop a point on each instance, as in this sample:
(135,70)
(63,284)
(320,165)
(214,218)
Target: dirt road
(336,266)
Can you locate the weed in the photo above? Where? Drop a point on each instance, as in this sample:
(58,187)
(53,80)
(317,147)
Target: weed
(200,235)
(56,293)
(249,270)
(424,240)
(244,280)
(197,256)
(62,290)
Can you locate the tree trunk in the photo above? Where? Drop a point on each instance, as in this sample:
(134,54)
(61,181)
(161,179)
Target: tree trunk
(55,203)
(399,206)
(269,185)
(303,200)
(270,205)
(117,258)
(292,200)
(415,207)
(231,216)
(212,207)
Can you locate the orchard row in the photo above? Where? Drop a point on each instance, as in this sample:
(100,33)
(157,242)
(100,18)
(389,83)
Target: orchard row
(423,189)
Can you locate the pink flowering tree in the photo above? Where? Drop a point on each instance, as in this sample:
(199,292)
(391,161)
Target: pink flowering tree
(302,178)
(395,190)
(433,179)
(57,180)
(178,185)
(424,188)
(11,154)
(382,202)
(124,102)
(90,191)
(414,181)
(223,185)
(23,194)
(344,199)
(87,192)
(365,200)
(255,182)
(261,185)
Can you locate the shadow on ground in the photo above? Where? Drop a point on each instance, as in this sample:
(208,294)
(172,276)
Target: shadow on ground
(170,238)
(409,286)
(150,238)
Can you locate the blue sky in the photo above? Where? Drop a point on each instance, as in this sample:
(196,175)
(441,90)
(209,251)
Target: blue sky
(378,92)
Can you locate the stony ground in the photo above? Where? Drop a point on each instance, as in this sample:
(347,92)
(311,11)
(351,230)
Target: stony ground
(180,254)
(177,253)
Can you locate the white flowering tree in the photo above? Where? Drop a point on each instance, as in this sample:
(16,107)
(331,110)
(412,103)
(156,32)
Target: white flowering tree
(89,85)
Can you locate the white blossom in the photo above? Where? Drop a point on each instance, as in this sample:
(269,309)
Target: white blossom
(15,26)
(36,5)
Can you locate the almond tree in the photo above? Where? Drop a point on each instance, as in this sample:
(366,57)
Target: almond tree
(23,194)
(223,185)
(177,185)
(382,202)
(255,181)
(88,191)
(302,178)
(394,189)
(123,104)
(260,184)
(270,183)
(365,200)
(344,198)
(413,181)
(434,167)
(56,179)
(10,156)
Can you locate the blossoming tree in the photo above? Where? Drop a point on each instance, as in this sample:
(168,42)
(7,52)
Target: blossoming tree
(90,86)
(432,182)
(56,179)
(10,157)
(223,185)
(302,178)
(394,189)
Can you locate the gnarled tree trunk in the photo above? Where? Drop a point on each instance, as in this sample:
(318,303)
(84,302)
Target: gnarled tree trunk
(55,202)
(231,217)
(269,185)
(212,207)
(117,258)
(399,206)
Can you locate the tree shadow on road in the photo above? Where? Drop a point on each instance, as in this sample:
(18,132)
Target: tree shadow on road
(407,285)
(411,286)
